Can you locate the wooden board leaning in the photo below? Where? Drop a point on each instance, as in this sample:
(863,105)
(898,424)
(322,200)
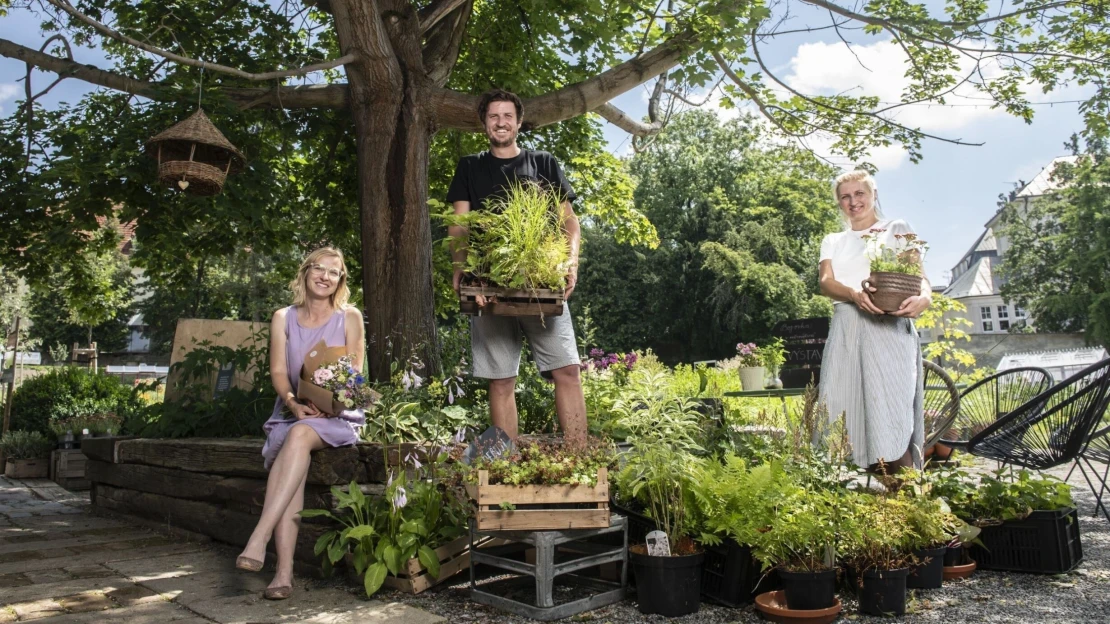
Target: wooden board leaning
(508,302)
(541,507)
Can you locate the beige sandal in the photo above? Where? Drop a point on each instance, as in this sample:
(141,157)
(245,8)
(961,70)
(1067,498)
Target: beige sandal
(248,564)
(278,593)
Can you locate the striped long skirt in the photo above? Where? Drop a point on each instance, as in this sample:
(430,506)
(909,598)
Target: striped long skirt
(871,372)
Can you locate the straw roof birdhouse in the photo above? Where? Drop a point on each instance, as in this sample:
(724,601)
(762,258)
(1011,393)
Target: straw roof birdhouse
(194,156)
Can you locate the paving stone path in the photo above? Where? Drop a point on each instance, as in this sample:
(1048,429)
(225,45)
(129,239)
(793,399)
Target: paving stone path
(60,563)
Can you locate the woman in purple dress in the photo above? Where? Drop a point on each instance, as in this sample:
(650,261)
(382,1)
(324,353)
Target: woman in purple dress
(296,428)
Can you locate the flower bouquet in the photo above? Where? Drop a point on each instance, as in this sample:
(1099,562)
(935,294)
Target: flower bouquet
(330,381)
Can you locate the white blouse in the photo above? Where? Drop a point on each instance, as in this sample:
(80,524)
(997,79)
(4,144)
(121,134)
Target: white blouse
(848,252)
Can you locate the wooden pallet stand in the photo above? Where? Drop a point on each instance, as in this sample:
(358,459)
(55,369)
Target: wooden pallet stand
(67,469)
(539,302)
(559,555)
(541,507)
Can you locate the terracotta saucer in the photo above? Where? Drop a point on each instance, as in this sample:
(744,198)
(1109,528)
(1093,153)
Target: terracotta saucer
(958,572)
(773,606)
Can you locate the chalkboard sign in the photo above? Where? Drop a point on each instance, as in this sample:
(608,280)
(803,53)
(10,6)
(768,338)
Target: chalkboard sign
(804,354)
(493,444)
(803,329)
(223,379)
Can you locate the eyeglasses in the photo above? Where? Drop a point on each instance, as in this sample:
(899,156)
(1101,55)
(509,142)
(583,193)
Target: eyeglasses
(320,269)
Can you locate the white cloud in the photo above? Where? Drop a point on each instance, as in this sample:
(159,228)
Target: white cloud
(7,92)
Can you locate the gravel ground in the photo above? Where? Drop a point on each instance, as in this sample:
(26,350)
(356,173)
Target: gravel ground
(1082,595)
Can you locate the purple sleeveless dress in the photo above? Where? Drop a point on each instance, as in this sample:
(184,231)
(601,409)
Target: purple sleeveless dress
(341,430)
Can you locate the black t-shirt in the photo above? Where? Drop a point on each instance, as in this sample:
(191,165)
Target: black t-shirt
(480,176)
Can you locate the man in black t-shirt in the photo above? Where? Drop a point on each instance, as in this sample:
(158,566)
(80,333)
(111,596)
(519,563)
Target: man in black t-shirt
(495,341)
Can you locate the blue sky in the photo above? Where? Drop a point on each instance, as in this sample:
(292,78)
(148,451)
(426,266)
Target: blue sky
(947,197)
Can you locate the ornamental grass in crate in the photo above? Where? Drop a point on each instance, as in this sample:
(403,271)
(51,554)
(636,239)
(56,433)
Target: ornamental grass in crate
(518,254)
(896,270)
(545,485)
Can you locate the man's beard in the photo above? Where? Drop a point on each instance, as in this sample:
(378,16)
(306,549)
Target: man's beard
(509,139)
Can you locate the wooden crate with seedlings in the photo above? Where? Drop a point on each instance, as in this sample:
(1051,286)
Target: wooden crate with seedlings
(541,507)
(508,302)
(68,468)
(413,578)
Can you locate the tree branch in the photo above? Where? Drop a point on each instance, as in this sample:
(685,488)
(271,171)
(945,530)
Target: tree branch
(441,49)
(177,58)
(310,96)
(622,120)
(460,111)
(436,11)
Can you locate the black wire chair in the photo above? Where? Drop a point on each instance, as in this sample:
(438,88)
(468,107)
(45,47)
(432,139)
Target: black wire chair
(1098,450)
(942,402)
(992,398)
(1052,428)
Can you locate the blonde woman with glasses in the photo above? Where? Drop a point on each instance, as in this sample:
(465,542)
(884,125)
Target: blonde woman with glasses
(296,428)
(871,367)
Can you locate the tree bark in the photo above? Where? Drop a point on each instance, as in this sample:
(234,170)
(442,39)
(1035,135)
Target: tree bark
(394,124)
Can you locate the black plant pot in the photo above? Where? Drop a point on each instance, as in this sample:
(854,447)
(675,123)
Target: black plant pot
(883,592)
(930,573)
(806,591)
(954,556)
(669,586)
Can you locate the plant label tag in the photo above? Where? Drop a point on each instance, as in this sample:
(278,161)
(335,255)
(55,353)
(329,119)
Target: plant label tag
(493,444)
(658,545)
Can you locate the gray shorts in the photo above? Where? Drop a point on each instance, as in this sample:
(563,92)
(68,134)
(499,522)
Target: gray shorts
(495,343)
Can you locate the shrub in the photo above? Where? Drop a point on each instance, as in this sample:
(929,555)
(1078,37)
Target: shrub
(25,445)
(67,392)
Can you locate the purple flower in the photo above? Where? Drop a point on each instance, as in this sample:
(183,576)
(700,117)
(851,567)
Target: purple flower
(400,499)
(414,460)
(596,353)
(460,435)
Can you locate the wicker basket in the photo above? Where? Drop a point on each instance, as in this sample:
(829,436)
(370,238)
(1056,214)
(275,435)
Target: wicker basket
(194,156)
(891,289)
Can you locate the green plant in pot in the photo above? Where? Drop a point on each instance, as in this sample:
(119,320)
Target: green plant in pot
(879,549)
(63,430)
(25,454)
(895,269)
(657,473)
(931,529)
(801,544)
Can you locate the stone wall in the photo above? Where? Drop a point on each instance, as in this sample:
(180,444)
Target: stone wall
(217,487)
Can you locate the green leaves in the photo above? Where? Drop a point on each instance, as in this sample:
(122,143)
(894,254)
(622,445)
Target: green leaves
(375,576)
(429,560)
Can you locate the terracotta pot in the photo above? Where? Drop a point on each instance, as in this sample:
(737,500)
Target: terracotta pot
(958,572)
(773,606)
(891,289)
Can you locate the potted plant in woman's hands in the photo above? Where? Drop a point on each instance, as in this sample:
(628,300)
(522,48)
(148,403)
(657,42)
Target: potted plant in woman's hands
(656,473)
(895,271)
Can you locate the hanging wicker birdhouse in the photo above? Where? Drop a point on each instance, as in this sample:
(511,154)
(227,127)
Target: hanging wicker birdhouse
(193,156)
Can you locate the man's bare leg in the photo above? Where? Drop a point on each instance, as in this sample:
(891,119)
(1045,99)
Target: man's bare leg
(570,404)
(502,405)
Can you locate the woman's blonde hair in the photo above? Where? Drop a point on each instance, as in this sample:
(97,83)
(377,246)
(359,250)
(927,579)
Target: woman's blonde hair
(299,284)
(864,178)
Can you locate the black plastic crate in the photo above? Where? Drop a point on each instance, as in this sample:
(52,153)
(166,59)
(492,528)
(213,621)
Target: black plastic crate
(732,576)
(1047,542)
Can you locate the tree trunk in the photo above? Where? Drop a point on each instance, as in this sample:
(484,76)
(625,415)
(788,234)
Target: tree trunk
(391,107)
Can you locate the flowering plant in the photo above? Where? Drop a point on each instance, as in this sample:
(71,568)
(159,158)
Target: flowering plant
(347,384)
(772,355)
(905,256)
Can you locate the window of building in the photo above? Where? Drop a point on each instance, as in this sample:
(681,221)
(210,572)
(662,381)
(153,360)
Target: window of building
(1019,312)
(1004,325)
(985,312)
(1003,312)
(988,326)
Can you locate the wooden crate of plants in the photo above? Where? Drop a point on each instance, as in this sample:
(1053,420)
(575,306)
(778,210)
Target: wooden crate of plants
(509,302)
(454,557)
(540,507)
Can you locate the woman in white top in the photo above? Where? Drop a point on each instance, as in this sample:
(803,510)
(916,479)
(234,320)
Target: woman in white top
(871,368)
